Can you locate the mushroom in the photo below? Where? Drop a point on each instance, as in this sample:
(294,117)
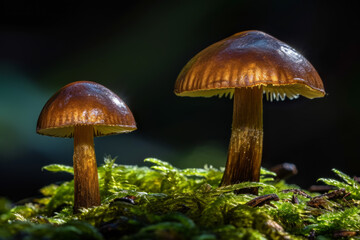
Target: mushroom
(84,110)
(246,66)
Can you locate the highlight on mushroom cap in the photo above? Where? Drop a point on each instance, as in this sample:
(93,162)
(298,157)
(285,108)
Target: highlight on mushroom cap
(249,59)
(85,103)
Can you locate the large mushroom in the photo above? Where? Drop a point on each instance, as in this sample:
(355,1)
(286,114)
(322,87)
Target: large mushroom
(246,66)
(84,110)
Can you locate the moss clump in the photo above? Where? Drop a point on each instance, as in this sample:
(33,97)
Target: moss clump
(164,202)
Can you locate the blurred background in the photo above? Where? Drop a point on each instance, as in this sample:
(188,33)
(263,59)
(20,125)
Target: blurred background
(137,49)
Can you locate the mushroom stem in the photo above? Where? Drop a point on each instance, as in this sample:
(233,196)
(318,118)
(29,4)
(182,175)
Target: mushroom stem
(86,181)
(245,149)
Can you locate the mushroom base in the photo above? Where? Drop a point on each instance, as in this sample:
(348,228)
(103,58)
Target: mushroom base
(245,149)
(86,181)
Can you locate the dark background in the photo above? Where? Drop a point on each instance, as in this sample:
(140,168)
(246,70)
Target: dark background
(137,49)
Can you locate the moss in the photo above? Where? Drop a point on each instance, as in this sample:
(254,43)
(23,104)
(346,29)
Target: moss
(164,202)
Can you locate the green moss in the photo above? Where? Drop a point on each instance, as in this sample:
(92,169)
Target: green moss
(164,202)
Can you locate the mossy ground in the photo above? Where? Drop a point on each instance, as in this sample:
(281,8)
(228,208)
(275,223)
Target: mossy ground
(163,202)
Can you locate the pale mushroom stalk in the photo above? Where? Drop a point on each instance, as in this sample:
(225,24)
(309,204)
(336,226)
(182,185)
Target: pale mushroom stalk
(245,148)
(86,181)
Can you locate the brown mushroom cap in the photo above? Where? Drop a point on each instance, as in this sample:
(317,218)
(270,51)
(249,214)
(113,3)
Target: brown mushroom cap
(249,59)
(85,103)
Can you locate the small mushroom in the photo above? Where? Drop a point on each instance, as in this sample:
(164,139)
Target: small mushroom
(84,110)
(246,66)
(284,170)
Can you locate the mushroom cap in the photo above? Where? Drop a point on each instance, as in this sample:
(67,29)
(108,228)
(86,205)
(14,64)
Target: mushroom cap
(84,103)
(249,59)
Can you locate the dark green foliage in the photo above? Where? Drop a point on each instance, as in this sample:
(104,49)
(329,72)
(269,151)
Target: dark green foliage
(346,219)
(164,202)
(34,231)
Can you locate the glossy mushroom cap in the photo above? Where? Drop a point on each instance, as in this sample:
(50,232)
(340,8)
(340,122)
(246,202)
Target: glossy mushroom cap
(85,103)
(249,59)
